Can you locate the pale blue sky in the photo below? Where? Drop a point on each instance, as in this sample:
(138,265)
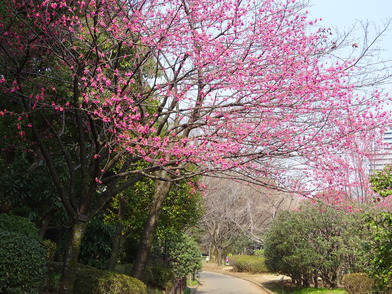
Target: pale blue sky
(343,13)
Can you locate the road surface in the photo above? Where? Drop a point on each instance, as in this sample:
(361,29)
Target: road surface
(214,283)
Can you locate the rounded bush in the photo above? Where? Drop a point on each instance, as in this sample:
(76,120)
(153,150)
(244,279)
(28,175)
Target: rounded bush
(22,263)
(248,263)
(18,224)
(94,281)
(357,283)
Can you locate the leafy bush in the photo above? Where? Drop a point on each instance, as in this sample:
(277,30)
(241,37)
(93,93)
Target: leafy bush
(357,283)
(162,277)
(380,248)
(95,281)
(52,278)
(248,263)
(184,256)
(124,268)
(259,252)
(22,263)
(316,239)
(18,224)
(50,248)
(97,244)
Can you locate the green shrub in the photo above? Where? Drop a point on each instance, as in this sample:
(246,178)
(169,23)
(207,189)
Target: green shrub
(22,263)
(95,281)
(50,248)
(184,256)
(18,224)
(259,252)
(97,244)
(52,278)
(357,283)
(124,268)
(248,263)
(162,277)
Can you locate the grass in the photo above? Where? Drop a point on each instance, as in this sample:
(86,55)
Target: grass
(193,283)
(317,291)
(288,288)
(308,291)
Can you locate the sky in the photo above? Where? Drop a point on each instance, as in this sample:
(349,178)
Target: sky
(342,14)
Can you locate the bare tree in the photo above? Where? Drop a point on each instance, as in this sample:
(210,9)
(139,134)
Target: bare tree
(234,208)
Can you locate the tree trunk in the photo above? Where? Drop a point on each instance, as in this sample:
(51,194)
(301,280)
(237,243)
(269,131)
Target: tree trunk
(71,258)
(118,237)
(162,188)
(219,255)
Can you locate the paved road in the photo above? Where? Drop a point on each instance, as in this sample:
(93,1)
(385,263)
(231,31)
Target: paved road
(214,283)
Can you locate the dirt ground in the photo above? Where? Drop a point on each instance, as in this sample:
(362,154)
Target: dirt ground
(261,279)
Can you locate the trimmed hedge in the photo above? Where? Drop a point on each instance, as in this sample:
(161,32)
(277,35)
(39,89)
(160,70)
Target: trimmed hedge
(18,224)
(22,257)
(358,283)
(94,281)
(248,263)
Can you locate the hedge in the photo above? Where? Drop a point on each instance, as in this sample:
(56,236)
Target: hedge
(357,283)
(248,263)
(18,224)
(94,281)
(22,264)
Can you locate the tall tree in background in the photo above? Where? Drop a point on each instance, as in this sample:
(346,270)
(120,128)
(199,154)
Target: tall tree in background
(113,90)
(317,241)
(236,209)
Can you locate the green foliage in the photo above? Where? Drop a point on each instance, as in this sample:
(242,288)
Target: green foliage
(95,281)
(316,239)
(96,245)
(22,257)
(288,288)
(248,263)
(28,191)
(124,268)
(259,252)
(182,208)
(50,248)
(52,277)
(17,224)
(318,291)
(382,182)
(358,283)
(162,277)
(22,263)
(380,248)
(184,256)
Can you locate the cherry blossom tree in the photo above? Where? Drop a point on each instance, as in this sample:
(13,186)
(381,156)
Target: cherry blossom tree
(109,91)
